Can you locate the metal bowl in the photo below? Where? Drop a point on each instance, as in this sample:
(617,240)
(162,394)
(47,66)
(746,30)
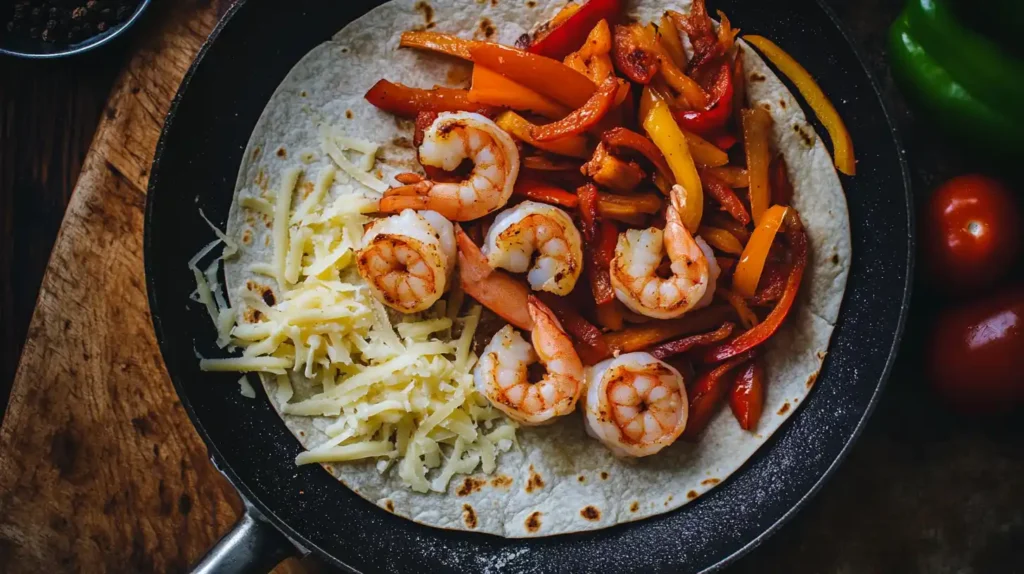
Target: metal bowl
(38,49)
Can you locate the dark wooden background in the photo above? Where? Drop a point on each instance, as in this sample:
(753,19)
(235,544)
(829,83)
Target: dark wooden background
(923,491)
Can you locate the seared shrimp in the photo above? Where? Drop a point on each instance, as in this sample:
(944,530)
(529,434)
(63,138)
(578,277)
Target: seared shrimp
(635,404)
(637,256)
(452,138)
(407,259)
(501,374)
(528,228)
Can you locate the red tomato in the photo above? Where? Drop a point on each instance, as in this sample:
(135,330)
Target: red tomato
(972,233)
(977,354)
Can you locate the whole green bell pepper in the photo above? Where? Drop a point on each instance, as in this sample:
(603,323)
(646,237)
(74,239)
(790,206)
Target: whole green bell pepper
(964,82)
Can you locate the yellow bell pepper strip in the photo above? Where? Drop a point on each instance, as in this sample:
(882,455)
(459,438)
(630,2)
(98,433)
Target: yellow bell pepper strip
(721,240)
(437,42)
(679,346)
(687,87)
(491,88)
(621,139)
(661,127)
(704,152)
(624,206)
(733,176)
(756,125)
(583,118)
(842,144)
(408,102)
(725,196)
(493,288)
(670,40)
(518,127)
(549,77)
(747,317)
(751,264)
(797,239)
(593,59)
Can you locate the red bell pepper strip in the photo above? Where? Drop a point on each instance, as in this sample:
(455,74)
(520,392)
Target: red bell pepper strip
(719,109)
(599,260)
(537,190)
(587,195)
(582,331)
(683,345)
(642,337)
(701,32)
(720,191)
(798,245)
(773,279)
(584,117)
(707,394)
(493,288)
(747,396)
(622,138)
(778,181)
(568,36)
(408,102)
(723,140)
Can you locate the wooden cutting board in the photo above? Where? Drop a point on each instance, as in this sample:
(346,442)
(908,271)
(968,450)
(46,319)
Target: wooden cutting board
(100,467)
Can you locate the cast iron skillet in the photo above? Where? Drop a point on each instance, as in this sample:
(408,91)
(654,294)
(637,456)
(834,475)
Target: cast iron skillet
(196,164)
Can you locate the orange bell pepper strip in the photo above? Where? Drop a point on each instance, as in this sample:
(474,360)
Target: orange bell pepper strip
(665,133)
(593,59)
(708,393)
(548,77)
(733,176)
(610,315)
(493,288)
(747,317)
(756,125)
(537,190)
(520,128)
(491,88)
(437,42)
(583,118)
(725,196)
(746,399)
(679,346)
(797,239)
(721,240)
(408,102)
(842,144)
(704,152)
(670,40)
(621,138)
(640,337)
(755,254)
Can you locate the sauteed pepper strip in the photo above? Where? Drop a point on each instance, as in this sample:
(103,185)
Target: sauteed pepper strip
(599,247)
(408,102)
(549,77)
(755,254)
(842,144)
(665,350)
(665,133)
(725,196)
(491,88)
(640,337)
(708,392)
(583,118)
(704,152)
(570,34)
(582,331)
(521,129)
(754,337)
(537,190)
(756,125)
(747,396)
(622,138)
(436,42)
(718,111)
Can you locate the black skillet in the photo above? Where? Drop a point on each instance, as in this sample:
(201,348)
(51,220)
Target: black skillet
(196,163)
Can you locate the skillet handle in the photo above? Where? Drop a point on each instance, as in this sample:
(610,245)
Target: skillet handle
(253,546)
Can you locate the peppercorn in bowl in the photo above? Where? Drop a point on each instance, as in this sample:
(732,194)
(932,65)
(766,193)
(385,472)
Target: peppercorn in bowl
(57,28)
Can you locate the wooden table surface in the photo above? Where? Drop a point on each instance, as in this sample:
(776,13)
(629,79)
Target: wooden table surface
(922,491)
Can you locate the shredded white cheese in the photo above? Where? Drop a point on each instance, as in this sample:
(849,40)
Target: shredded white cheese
(401,395)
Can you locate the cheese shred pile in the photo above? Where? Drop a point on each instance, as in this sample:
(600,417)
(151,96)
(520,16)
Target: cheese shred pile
(401,394)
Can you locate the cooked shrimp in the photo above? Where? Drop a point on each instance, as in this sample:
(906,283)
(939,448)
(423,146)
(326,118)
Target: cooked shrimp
(407,259)
(452,138)
(501,374)
(635,404)
(537,228)
(637,256)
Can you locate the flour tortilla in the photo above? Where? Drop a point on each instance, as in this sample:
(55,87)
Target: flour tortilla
(560,481)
